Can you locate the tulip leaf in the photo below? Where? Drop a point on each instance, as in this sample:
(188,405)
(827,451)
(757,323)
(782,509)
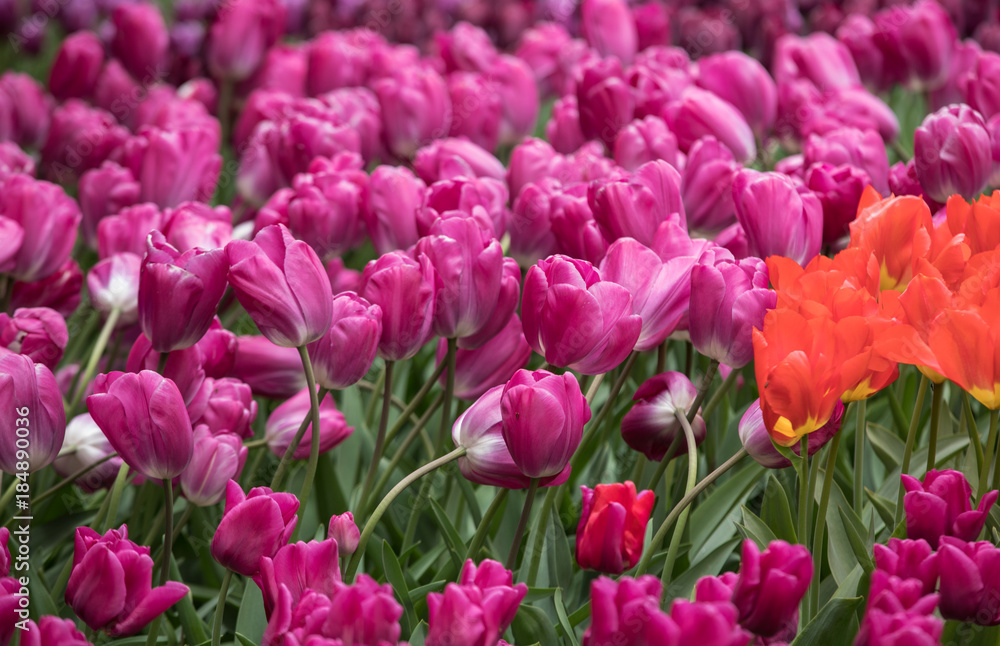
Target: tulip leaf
(776,512)
(887,445)
(539,594)
(456,546)
(560,555)
(564,618)
(956,632)
(419,594)
(756,529)
(835,625)
(708,529)
(853,526)
(243,640)
(855,584)
(711,565)
(886,508)
(251,620)
(841,556)
(394,575)
(419,634)
(531,623)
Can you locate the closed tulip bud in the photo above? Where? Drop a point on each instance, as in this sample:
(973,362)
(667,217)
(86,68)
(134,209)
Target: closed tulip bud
(899,613)
(113,284)
(104,192)
(757,441)
(652,23)
(968,589)
(612,527)
(176,165)
(326,209)
(940,506)
(14,161)
(529,159)
(979,86)
(110,587)
(778,219)
(141,41)
(270,370)
(507,301)
(699,113)
(646,140)
(839,190)
(76,66)
(518,98)
(241,35)
(706,188)
(731,300)
(83,445)
(543,417)
(284,69)
(339,59)
(60,291)
(394,195)
(627,612)
(953,153)
(416,108)
(36,332)
(52,631)
(908,559)
(230,408)
(345,531)
(283,286)
(24,100)
(219,459)
(563,129)
(610,29)
(195,224)
(30,392)
(636,206)
(343,355)
(455,157)
(253,526)
(144,418)
(743,82)
(79,138)
(477,109)
(404,289)
(491,364)
(482,198)
(477,609)
(818,58)
(298,567)
(770,586)
(651,425)
(39,222)
(127,231)
(284,422)
(605,100)
(188,285)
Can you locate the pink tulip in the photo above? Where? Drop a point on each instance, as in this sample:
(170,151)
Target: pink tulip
(195,224)
(76,66)
(104,192)
(218,350)
(908,559)
(39,222)
(219,459)
(456,157)
(30,392)
(563,129)
(298,568)
(174,165)
(36,332)
(477,609)
(284,422)
(405,291)
(477,109)
(343,355)
(344,530)
(646,140)
(651,425)
(778,219)
(606,104)
(743,82)
(141,41)
(60,291)
(610,29)
(253,526)
(416,109)
(230,408)
(270,370)
(126,232)
(394,195)
(940,506)
(243,31)
(699,113)
(79,138)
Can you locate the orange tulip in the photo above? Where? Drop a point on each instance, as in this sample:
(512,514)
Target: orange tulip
(979,221)
(966,344)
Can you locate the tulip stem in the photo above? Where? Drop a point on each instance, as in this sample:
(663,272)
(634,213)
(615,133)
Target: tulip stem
(692,480)
(688,498)
(161,364)
(416,401)
(594,387)
(590,433)
(389,498)
(706,383)
(668,457)
(974,438)
(313,437)
(95,357)
(522,523)
(168,529)
(859,455)
(661,356)
(935,417)
(106,521)
(803,511)
(6,291)
(220,609)
(911,438)
(717,396)
(449,390)
(541,529)
(290,451)
(8,495)
(379,437)
(484,525)
(995,482)
(824,503)
(69,479)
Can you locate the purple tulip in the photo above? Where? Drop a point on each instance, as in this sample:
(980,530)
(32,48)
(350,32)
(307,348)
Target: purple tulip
(219,459)
(477,108)
(605,100)
(456,157)
(636,206)
(940,506)
(27,110)
(543,417)
(283,286)
(109,586)
(478,609)
(195,224)
(646,140)
(465,194)
(839,190)
(344,530)
(863,149)
(175,165)
(253,526)
(218,350)
(141,41)
(969,585)
(113,284)
(230,408)
(270,370)
(627,612)
(338,59)
(651,425)
(284,422)
(325,210)
(952,153)
(699,113)
(899,614)
(404,289)
(770,586)
(38,422)
(39,222)
(743,82)
(83,445)
(241,35)
(76,66)
(492,364)
(574,318)
(60,291)
(343,355)
(706,187)
(299,567)
(908,559)
(104,192)
(36,332)
(563,129)
(416,109)
(778,218)
(757,441)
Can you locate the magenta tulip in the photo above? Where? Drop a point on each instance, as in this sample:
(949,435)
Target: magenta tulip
(770,586)
(646,140)
(127,230)
(636,206)
(404,289)
(743,82)
(241,35)
(29,391)
(456,157)
(699,113)
(899,614)
(37,332)
(298,567)
(627,612)
(969,586)
(416,108)
(175,165)
(651,425)
(908,559)
(863,149)
(253,526)
(941,506)
(605,100)
(284,422)
(491,364)
(60,291)
(219,459)
(230,409)
(43,219)
(707,186)
(610,29)
(343,355)
(104,192)
(270,370)
(778,218)
(478,609)
(76,66)
(952,153)
(344,530)
(141,41)
(325,210)
(394,195)
(52,631)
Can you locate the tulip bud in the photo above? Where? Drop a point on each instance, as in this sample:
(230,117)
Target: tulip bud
(109,586)
(284,422)
(326,209)
(743,82)
(477,109)
(453,157)
(818,58)
(404,289)
(394,195)
(416,109)
(839,190)
(83,445)
(477,609)
(778,219)
(699,113)
(979,87)
(612,527)
(253,526)
(899,613)
(706,187)
(14,161)
(39,222)
(863,149)
(175,165)
(605,100)
(636,206)
(298,568)
(217,350)
(926,41)
(757,441)
(465,194)
(36,332)
(241,35)
(76,66)
(183,367)
(270,370)
(651,425)
(52,631)
(940,506)
(26,108)
(195,224)
(219,459)
(344,530)
(908,559)
(765,605)
(113,284)
(627,612)
(38,421)
(343,355)
(103,192)
(563,129)
(952,153)
(968,590)
(339,59)
(644,141)
(127,231)
(141,41)
(79,138)
(230,408)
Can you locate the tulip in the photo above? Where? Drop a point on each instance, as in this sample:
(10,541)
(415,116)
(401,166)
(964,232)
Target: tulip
(195,224)
(605,100)
(416,108)
(394,195)
(79,138)
(487,460)
(343,355)
(38,421)
(44,220)
(818,58)
(284,422)
(489,365)
(527,400)
(651,425)
(652,23)
(610,29)
(506,303)
(253,526)
(76,66)
(109,586)
(968,587)
(770,586)
(612,527)
(172,285)
(52,631)
(743,82)
(144,418)
(465,194)
(24,100)
(926,41)
(730,302)
(141,41)
(270,370)
(563,129)
(706,188)
(230,408)
(940,506)
(476,610)
(699,113)
(477,109)
(646,140)
(326,208)
(36,332)
(863,149)
(183,367)
(283,286)
(127,230)
(299,567)
(339,59)
(241,35)
(908,559)
(284,69)
(979,86)
(519,102)
(218,350)
(455,157)
(898,613)
(778,219)
(839,190)
(952,153)
(343,529)
(13,160)
(60,291)
(627,613)
(757,441)
(104,192)
(637,206)
(114,285)
(404,289)
(176,165)
(219,459)
(83,445)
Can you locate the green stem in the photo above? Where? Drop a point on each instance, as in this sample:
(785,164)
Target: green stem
(706,383)
(220,609)
(225,107)
(389,498)
(675,540)
(668,457)
(376,387)
(484,525)
(661,357)
(522,523)
(717,396)
(996,464)
(911,437)
(95,357)
(859,456)
(168,531)
(416,401)
(400,451)
(161,364)
(592,430)
(9,494)
(824,502)
(682,504)
(313,437)
(974,438)
(379,437)
(540,531)
(104,522)
(449,389)
(935,417)
(6,291)
(803,467)
(286,459)
(68,480)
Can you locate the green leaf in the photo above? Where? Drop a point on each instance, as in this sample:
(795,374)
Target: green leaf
(711,565)
(756,529)
(956,632)
(706,521)
(530,623)
(841,557)
(886,508)
(251,620)
(564,619)
(887,445)
(776,512)
(419,594)
(456,546)
(41,600)
(394,575)
(243,640)
(538,594)
(853,526)
(833,626)
(419,634)
(560,555)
